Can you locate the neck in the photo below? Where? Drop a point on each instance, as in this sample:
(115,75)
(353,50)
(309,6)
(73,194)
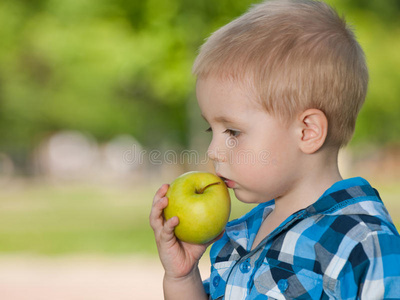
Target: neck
(315,177)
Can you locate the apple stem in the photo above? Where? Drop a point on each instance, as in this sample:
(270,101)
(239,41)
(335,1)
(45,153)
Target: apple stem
(201,191)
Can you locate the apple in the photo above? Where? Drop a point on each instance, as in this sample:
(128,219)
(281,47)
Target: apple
(201,202)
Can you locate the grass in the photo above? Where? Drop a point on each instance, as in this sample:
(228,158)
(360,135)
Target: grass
(54,220)
(47,219)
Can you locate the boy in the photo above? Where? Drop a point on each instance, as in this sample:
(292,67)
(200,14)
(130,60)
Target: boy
(287,77)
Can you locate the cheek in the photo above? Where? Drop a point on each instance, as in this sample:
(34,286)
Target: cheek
(255,176)
(281,151)
(258,184)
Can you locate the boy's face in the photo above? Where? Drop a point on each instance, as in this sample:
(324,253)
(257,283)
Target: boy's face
(252,150)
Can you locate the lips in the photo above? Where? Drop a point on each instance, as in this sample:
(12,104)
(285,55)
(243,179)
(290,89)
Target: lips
(229,183)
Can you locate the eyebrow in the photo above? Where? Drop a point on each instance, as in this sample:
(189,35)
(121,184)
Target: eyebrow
(221,119)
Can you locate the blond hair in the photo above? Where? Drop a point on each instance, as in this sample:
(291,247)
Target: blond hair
(297,54)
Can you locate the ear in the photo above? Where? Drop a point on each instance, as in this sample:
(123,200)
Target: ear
(314,129)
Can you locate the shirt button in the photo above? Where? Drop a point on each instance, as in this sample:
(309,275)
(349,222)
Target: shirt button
(283,285)
(245,266)
(216,281)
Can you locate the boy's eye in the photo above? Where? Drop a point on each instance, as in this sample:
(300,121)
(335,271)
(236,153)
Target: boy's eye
(232,132)
(209,129)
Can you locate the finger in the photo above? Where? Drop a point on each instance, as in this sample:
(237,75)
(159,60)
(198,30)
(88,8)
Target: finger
(156,218)
(161,192)
(156,214)
(168,229)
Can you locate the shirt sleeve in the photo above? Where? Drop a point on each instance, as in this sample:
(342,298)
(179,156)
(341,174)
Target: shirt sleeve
(372,270)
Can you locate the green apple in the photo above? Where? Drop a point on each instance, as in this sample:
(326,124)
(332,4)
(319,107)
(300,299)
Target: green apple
(201,202)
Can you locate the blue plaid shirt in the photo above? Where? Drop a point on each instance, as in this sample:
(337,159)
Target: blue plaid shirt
(344,246)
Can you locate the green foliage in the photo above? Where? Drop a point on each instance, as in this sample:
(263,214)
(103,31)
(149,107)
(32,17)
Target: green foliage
(377,26)
(99,67)
(125,67)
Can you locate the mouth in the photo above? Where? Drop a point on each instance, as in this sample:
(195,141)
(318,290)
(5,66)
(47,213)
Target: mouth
(229,183)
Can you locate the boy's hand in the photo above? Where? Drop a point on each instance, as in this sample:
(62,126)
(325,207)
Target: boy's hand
(178,258)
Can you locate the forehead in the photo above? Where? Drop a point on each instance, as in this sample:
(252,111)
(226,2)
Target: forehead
(224,97)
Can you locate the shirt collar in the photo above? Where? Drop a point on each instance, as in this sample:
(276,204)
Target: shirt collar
(342,194)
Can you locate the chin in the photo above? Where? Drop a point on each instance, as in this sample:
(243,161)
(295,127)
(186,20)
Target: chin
(248,197)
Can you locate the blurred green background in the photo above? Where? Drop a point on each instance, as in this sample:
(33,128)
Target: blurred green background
(87,85)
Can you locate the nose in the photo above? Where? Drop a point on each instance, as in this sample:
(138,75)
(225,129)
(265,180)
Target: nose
(215,152)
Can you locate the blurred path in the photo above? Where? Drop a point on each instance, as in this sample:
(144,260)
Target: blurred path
(81,278)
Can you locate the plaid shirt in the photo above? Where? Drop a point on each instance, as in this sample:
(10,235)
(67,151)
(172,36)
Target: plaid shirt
(344,246)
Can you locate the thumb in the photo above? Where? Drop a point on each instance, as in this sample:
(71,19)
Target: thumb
(167,233)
